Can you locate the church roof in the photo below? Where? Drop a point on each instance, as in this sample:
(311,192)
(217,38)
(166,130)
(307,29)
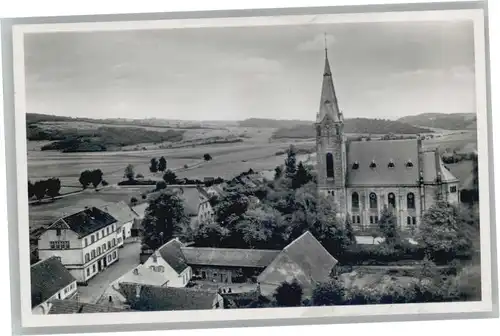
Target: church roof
(368,163)
(393,163)
(328,105)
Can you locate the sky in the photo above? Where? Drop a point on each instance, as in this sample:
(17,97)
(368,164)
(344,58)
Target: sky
(380,70)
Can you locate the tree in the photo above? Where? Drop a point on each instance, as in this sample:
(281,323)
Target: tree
(210,234)
(160,185)
(291,162)
(31,191)
(278,171)
(52,186)
(289,294)
(443,232)
(207,157)
(40,189)
(162,164)
(104,183)
(85,178)
(263,228)
(164,219)
(129,172)
(349,231)
(301,177)
(96,177)
(329,293)
(153,167)
(388,226)
(169,177)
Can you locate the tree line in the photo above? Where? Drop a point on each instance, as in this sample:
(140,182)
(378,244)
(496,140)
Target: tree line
(50,187)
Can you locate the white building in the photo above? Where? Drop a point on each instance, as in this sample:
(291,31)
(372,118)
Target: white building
(125,218)
(50,280)
(85,242)
(169,261)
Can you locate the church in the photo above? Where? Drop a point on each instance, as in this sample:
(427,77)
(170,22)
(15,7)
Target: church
(363,177)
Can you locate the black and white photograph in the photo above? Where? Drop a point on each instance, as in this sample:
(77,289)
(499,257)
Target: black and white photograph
(253,164)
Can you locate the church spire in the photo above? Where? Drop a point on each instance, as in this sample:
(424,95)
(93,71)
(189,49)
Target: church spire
(328,103)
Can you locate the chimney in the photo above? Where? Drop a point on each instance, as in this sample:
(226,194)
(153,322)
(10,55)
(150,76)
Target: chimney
(138,291)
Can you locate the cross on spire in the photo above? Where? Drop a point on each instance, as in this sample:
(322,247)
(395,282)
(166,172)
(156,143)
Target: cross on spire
(326,46)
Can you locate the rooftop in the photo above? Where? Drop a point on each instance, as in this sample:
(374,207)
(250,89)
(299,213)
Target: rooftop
(382,162)
(172,254)
(121,211)
(85,222)
(154,298)
(48,277)
(75,307)
(229,257)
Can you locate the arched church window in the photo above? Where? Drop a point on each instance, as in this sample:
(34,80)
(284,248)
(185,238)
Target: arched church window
(373,201)
(355,200)
(391,199)
(329,165)
(410,201)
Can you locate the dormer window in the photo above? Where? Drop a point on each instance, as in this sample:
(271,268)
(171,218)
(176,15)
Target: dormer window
(355,165)
(390,164)
(373,164)
(409,164)
(327,101)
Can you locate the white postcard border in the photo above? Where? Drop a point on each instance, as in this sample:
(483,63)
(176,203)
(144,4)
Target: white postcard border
(30,320)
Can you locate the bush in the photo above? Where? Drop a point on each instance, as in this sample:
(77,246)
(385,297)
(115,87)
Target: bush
(139,176)
(104,183)
(380,254)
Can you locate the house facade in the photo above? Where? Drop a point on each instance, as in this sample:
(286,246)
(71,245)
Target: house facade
(169,261)
(85,242)
(124,216)
(363,177)
(50,281)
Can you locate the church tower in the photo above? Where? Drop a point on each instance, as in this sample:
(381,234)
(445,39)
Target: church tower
(331,143)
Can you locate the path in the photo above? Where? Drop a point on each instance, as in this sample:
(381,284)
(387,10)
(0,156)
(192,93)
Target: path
(128,259)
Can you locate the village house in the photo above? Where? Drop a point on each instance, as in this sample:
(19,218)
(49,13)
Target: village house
(225,265)
(196,205)
(139,211)
(85,242)
(124,216)
(304,260)
(50,280)
(155,298)
(169,261)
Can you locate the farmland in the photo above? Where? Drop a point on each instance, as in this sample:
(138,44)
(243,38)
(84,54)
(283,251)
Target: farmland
(256,150)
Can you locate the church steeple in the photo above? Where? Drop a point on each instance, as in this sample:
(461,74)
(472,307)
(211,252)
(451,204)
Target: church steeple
(328,103)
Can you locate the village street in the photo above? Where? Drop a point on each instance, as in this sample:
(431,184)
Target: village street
(129,258)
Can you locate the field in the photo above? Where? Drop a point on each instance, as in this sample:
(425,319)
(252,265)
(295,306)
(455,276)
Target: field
(256,151)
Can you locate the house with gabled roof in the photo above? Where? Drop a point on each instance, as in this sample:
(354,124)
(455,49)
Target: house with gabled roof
(50,280)
(227,265)
(125,217)
(304,260)
(169,261)
(84,241)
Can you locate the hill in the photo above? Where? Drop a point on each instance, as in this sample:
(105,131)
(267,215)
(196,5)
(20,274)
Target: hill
(453,121)
(272,123)
(356,125)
